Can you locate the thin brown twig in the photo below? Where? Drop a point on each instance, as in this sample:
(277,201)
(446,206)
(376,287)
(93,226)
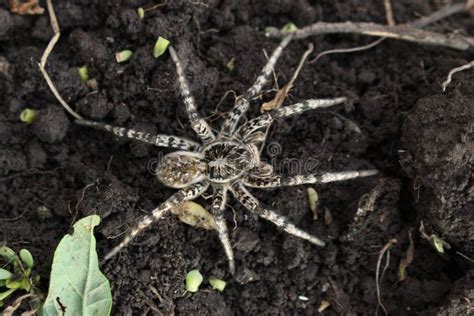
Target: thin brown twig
(378,277)
(389,13)
(156,6)
(346,50)
(446,83)
(408,32)
(283,92)
(44,59)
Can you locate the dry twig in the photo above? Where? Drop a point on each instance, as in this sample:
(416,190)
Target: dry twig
(378,277)
(283,92)
(411,32)
(389,13)
(407,261)
(346,50)
(446,83)
(44,59)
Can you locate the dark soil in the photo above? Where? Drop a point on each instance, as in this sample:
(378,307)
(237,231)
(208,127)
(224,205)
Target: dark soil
(54,172)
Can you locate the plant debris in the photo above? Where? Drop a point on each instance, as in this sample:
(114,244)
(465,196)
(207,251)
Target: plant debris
(283,92)
(195,215)
(405,262)
(28,7)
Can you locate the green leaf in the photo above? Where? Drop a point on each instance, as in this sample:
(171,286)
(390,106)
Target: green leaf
(4,295)
(289,28)
(123,56)
(13,284)
(83,73)
(141,13)
(160,47)
(7,253)
(76,280)
(231,64)
(217,284)
(27,258)
(193,280)
(28,115)
(5,274)
(2,283)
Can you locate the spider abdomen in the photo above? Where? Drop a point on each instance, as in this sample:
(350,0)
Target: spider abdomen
(226,160)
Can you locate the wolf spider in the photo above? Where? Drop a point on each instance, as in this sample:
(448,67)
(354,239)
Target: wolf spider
(227,161)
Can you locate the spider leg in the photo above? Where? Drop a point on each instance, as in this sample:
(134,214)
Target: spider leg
(218,207)
(159,140)
(253,205)
(186,194)
(267,118)
(275,181)
(199,125)
(242,103)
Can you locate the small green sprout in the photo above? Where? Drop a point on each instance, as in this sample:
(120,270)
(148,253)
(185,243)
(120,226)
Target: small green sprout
(123,56)
(289,28)
(83,73)
(160,46)
(313,202)
(141,13)
(231,64)
(17,273)
(217,284)
(193,281)
(439,244)
(28,115)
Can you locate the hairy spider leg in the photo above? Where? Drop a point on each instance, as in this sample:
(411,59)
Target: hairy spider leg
(159,140)
(253,205)
(276,181)
(267,118)
(186,194)
(217,210)
(199,125)
(242,103)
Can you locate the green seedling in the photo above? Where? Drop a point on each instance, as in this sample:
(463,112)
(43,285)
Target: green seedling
(141,13)
(313,202)
(160,46)
(83,73)
(289,28)
(123,56)
(231,64)
(28,115)
(193,281)
(17,273)
(217,284)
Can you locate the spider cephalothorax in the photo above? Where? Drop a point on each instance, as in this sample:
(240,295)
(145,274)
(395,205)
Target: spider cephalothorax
(228,161)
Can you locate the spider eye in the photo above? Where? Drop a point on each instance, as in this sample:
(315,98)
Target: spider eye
(180,169)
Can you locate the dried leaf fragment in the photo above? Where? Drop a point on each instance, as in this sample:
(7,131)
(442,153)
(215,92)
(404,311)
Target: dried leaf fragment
(195,215)
(28,7)
(405,262)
